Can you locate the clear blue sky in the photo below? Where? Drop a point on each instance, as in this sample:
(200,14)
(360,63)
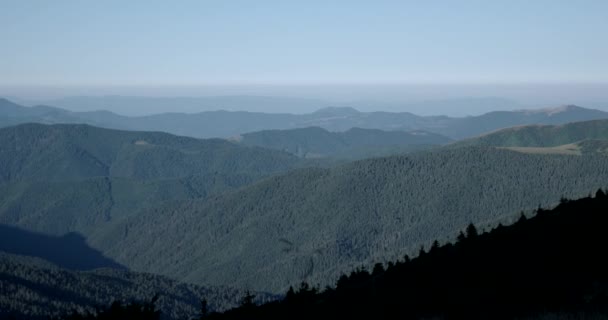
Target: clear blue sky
(301,42)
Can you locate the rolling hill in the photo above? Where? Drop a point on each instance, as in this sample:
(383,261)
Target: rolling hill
(355,143)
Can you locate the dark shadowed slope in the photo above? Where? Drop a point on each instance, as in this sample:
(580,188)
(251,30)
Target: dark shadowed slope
(33,289)
(69,251)
(550,266)
(315,142)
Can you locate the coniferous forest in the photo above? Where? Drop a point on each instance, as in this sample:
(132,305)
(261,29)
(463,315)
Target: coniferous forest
(550,265)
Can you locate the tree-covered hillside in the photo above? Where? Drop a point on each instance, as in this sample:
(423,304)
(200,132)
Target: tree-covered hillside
(61,152)
(311,224)
(550,266)
(315,142)
(62,178)
(542,135)
(35,289)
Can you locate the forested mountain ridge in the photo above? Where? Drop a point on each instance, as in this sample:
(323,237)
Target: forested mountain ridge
(541,135)
(32,289)
(316,142)
(549,266)
(63,178)
(61,152)
(312,223)
(224,124)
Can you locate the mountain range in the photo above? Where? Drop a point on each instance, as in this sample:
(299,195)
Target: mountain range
(225,124)
(259,211)
(219,213)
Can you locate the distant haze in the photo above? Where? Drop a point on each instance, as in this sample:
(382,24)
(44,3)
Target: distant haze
(422,99)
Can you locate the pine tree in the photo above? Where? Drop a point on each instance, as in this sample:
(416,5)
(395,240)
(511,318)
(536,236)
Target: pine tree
(471,231)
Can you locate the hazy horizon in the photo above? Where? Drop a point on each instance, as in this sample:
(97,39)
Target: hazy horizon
(422,99)
(374,56)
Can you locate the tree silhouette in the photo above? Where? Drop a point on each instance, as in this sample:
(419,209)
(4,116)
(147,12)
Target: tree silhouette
(471,231)
(247,301)
(204,311)
(461,237)
(378,269)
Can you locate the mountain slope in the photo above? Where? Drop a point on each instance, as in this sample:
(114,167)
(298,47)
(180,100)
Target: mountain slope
(549,266)
(315,142)
(542,136)
(60,152)
(311,224)
(63,178)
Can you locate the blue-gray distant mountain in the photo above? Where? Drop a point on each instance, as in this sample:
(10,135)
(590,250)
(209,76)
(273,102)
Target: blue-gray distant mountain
(231,123)
(316,142)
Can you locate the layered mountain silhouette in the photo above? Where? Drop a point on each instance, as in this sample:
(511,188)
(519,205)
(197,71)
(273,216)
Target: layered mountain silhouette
(231,123)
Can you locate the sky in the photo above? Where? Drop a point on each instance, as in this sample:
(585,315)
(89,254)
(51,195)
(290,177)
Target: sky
(189,43)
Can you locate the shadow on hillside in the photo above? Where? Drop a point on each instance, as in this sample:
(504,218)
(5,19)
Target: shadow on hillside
(69,251)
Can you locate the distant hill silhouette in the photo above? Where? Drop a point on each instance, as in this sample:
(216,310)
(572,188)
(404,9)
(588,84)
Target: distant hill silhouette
(69,251)
(224,124)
